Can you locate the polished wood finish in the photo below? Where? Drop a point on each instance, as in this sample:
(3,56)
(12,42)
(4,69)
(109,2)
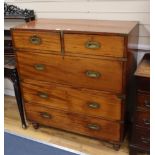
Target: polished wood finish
(52,136)
(140,136)
(80,25)
(74,100)
(108,45)
(71,71)
(48,40)
(80,124)
(78,89)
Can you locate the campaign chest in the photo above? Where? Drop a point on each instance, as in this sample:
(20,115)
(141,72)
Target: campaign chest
(74,74)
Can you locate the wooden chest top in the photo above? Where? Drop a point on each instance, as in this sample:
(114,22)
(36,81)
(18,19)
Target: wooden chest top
(80,25)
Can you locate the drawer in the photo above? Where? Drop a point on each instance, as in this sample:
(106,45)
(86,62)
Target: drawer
(39,40)
(82,101)
(76,71)
(142,118)
(141,138)
(143,101)
(94,45)
(88,126)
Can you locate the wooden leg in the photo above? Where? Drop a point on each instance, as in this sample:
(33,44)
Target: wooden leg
(35,125)
(116,146)
(15,80)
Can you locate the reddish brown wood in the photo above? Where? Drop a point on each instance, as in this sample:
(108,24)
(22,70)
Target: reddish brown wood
(71,71)
(109,45)
(80,25)
(101,129)
(48,40)
(82,101)
(62,76)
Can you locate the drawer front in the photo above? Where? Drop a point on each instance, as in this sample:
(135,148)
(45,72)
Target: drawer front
(141,138)
(89,126)
(143,101)
(75,71)
(143,118)
(85,102)
(38,40)
(94,45)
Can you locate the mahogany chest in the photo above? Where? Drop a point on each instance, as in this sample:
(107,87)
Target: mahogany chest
(74,74)
(140,136)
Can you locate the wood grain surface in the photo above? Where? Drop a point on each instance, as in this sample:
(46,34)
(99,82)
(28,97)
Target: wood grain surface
(71,70)
(73,100)
(48,40)
(75,123)
(109,45)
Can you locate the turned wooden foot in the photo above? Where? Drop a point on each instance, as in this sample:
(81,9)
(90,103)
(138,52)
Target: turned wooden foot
(116,146)
(35,125)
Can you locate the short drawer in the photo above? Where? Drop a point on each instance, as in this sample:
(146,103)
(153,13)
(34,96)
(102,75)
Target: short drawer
(39,40)
(142,118)
(141,138)
(79,72)
(143,101)
(94,45)
(85,102)
(88,126)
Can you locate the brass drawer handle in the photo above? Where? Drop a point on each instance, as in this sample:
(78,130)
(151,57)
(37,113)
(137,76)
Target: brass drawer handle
(93,105)
(45,115)
(93,74)
(92,45)
(39,67)
(94,127)
(35,40)
(43,95)
(147,122)
(147,103)
(145,140)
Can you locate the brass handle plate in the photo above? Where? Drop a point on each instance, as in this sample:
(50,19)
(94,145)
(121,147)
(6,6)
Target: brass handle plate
(145,140)
(92,45)
(35,40)
(45,115)
(94,127)
(43,95)
(147,103)
(93,74)
(93,105)
(147,122)
(39,67)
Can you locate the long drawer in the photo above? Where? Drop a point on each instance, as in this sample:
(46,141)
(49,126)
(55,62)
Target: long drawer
(39,40)
(79,72)
(94,44)
(82,101)
(88,126)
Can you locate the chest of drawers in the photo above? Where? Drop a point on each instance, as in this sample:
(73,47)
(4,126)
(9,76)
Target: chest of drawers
(75,73)
(140,137)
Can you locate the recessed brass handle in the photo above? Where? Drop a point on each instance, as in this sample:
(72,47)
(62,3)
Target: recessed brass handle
(43,95)
(39,67)
(92,45)
(45,115)
(35,40)
(93,126)
(147,103)
(93,74)
(93,105)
